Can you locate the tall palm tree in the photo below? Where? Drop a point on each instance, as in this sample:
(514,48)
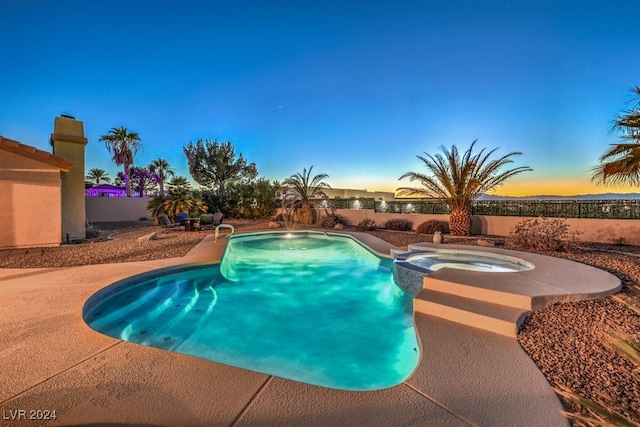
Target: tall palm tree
(162,170)
(458,181)
(97,175)
(621,163)
(301,189)
(123,145)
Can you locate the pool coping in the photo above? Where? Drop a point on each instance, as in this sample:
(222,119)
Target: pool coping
(552,280)
(53,360)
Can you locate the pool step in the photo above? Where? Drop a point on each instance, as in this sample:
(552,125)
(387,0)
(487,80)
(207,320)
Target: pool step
(489,316)
(487,291)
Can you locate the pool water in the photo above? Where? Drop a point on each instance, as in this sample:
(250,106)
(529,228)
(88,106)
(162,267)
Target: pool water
(304,306)
(468,260)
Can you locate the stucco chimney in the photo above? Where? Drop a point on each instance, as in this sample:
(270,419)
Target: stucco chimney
(68,141)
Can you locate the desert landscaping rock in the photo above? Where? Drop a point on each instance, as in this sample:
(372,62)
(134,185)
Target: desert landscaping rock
(485,243)
(152,236)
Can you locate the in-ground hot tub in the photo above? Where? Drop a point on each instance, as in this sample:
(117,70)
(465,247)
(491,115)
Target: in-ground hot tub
(411,267)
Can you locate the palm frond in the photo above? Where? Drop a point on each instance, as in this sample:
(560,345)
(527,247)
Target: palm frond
(620,164)
(458,180)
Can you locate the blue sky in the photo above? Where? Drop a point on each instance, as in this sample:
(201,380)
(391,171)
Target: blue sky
(356,88)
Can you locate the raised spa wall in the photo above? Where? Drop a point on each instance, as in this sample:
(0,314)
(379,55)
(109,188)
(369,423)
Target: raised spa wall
(406,275)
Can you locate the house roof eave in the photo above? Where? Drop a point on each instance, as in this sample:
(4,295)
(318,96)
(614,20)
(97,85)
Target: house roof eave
(32,153)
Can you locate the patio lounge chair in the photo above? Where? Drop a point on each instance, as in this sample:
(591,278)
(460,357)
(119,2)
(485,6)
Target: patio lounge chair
(164,221)
(210,221)
(217,218)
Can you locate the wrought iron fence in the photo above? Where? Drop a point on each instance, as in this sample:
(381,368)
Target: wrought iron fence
(412,207)
(602,209)
(354,203)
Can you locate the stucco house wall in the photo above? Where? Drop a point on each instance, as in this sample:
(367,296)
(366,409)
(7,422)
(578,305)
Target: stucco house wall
(30,188)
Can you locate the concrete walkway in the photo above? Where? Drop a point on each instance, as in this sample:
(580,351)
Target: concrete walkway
(51,360)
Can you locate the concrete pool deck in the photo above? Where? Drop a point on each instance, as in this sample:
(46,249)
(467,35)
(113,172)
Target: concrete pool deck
(51,360)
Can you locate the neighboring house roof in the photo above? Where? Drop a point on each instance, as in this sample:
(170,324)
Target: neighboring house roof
(33,153)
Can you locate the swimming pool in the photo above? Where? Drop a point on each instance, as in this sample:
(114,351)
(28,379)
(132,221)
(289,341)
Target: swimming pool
(310,307)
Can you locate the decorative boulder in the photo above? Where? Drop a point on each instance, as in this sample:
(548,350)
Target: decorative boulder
(273,224)
(486,243)
(152,236)
(338,227)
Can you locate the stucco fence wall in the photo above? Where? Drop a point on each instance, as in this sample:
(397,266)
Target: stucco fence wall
(103,209)
(592,230)
(107,209)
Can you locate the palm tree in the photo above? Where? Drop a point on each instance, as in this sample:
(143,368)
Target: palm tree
(180,198)
(458,181)
(162,170)
(124,145)
(301,189)
(96,176)
(180,183)
(156,206)
(621,163)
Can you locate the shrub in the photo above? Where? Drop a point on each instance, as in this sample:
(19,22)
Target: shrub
(92,232)
(542,234)
(366,224)
(398,224)
(330,221)
(282,218)
(430,227)
(620,241)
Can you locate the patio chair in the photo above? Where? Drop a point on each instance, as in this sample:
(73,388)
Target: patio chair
(164,221)
(217,218)
(182,217)
(209,221)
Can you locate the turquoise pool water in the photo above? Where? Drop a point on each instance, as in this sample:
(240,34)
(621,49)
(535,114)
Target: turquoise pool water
(304,306)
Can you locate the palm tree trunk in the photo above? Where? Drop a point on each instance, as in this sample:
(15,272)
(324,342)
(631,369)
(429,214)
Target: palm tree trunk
(306,215)
(460,222)
(127,185)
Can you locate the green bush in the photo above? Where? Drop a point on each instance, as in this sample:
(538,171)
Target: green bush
(398,224)
(430,227)
(542,234)
(366,224)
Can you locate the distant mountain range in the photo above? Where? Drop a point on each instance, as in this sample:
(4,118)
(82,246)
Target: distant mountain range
(603,196)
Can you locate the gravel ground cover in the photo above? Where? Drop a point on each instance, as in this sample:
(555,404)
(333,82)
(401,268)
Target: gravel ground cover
(568,342)
(122,242)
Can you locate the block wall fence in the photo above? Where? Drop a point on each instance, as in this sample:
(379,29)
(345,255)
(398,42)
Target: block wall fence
(592,230)
(104,209)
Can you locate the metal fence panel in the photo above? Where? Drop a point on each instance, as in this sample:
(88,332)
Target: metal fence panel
(353,203)
(599,209)
(602,209)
